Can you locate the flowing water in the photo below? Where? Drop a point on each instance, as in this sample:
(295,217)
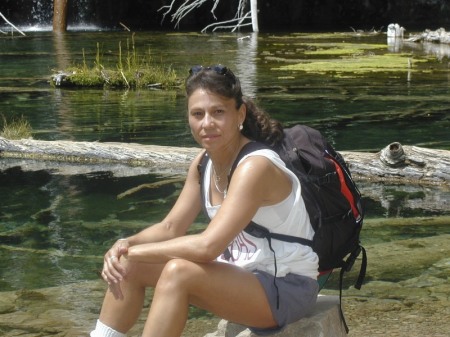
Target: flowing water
(54,228)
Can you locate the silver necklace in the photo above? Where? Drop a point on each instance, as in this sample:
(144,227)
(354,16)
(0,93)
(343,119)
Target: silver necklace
(216,180)
(217,177)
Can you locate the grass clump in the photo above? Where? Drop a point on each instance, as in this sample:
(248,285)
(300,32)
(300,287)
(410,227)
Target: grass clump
(131,71)
(18,128)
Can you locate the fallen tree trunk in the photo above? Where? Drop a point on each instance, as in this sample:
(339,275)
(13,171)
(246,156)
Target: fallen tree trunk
(394,163)
(403,164)
(67,157)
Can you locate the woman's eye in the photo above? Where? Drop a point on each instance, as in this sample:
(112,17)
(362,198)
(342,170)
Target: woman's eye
(196,113)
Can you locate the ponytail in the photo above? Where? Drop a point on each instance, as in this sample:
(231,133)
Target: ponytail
(259,126)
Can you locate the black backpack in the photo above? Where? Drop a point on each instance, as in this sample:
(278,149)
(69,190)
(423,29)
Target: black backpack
(331,197)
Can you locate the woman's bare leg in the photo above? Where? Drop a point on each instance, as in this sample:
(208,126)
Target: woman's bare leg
(122,314)
(225,290)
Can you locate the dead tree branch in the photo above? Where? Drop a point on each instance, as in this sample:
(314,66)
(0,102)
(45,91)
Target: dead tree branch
(233,27)
(9,23)
(189,5)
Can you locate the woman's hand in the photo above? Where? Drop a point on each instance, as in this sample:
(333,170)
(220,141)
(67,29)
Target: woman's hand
(113,270)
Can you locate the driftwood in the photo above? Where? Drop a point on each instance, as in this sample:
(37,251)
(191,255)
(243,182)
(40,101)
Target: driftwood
(395,163)
(9,23)
(435,36)
(395,31)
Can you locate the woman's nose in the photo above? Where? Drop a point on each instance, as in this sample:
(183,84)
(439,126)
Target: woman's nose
(208,121)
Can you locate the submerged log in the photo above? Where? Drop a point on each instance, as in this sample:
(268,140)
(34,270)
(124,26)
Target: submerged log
(395,163)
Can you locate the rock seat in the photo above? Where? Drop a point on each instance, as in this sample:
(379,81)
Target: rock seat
(324,320)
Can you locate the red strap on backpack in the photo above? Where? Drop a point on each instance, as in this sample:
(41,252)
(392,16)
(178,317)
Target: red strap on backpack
(345,190)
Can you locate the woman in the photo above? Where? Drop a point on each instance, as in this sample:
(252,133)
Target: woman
(262,287)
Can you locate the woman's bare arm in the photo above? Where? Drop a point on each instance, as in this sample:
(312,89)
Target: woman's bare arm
(180,217)
(256,182)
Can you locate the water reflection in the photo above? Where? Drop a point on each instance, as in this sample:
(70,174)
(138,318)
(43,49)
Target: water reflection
(395,44)
(246,63)
(439,50)
(62,54)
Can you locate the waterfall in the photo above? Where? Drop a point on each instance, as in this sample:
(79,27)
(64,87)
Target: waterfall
(83,8)
(41,15)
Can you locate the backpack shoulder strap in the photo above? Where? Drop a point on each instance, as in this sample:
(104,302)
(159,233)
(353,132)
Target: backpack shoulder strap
(252,228)
(201,167)
(246,149)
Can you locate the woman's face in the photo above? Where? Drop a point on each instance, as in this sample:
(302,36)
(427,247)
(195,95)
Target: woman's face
(214,119)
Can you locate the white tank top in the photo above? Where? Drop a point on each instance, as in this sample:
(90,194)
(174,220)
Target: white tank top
(287,217)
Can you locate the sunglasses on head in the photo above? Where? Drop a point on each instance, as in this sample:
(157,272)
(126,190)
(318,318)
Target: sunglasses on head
(218,68)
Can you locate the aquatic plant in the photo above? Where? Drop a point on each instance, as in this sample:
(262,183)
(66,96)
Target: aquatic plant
(17,128)
(349,60)
(131,71)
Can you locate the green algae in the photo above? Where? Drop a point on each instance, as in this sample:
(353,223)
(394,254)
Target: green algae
(340,55)
(357,64)
(326,36)
(341,49)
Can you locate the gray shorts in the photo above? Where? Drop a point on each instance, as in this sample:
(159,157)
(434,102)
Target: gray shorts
(296,297)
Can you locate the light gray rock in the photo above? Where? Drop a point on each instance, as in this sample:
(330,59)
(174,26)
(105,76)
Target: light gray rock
(324,320)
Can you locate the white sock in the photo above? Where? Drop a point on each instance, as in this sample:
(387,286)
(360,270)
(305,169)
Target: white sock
(102,330)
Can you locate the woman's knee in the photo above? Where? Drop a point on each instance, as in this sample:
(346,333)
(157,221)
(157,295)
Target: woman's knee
(178,273)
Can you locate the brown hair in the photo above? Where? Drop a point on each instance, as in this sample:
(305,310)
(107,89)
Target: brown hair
(220,80)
